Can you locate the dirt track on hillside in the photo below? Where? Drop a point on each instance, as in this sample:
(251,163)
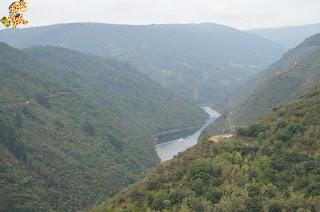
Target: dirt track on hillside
(218,138)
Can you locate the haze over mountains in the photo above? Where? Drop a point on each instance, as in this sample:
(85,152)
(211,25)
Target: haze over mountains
(292,75)
(204,63)
(76,128)
(289,36)
(81,104)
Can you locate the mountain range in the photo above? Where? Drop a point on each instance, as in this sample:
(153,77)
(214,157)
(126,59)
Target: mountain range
(290,36)
(203,63)
(81,106)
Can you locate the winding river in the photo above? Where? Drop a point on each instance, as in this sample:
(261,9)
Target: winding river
(168,150)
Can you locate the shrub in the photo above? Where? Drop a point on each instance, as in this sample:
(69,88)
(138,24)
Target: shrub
(117,143)
(253,190)
(58,123)
(18,120)
(214,195)
(275,207)
(198,186)
(283,134)
(88,128)
(136,195)
(177,196)
(42,100)
(251,131)
(160,201)
(281,124)
(253,205)
(200,169)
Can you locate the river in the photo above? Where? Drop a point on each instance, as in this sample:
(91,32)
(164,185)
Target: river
(168,150)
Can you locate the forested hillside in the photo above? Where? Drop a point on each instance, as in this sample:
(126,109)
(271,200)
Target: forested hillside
(76,128)
(293,74)
(203,63)
(271,165)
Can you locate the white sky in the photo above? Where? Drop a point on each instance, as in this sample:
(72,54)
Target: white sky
(241,14)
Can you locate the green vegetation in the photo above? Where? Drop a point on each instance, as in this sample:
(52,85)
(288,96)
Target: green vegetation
(271,165)
(192,60)
(76,128)
(296,72)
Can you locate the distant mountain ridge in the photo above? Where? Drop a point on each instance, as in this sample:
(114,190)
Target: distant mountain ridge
(293,74)
(76,128)
(204,63)
(289,36)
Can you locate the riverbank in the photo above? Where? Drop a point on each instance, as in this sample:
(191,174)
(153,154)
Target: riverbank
(168,150)
(175,134)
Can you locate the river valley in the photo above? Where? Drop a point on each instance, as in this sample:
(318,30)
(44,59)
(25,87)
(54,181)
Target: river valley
(168,150)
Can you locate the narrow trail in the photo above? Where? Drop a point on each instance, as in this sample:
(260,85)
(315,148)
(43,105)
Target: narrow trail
(218,138)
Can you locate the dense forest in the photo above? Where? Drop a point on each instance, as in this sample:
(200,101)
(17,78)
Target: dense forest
(192,60)
(271,165)
(77,128)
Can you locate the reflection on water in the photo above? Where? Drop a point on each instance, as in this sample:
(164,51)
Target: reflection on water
(167,151)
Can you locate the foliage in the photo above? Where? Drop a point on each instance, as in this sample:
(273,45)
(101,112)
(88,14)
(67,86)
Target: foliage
(192,60)
(295,73)
(251,131)
(75,128)
(273,166)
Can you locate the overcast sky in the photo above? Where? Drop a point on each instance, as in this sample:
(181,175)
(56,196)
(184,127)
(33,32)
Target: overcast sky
(241,14)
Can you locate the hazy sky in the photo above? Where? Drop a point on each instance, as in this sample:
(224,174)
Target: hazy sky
(237,13)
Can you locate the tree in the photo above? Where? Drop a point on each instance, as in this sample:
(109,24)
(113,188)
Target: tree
(214,195)
(177,196)
(253,205)
(18,120)
(253,190)
(198,186)
(160,201)
(89,128)
(275,207)
(200,169)
(42,100)
(251,131)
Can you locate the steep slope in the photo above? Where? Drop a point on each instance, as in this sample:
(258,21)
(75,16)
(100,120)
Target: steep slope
(272,165)
(294,73)
(76,128)
(203,63)
(290,36)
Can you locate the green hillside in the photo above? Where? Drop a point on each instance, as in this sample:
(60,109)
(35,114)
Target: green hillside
(272,165)
(293,74)
(76,128)
(203,63)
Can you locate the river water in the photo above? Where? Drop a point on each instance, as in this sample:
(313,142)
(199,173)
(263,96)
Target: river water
(168,150)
